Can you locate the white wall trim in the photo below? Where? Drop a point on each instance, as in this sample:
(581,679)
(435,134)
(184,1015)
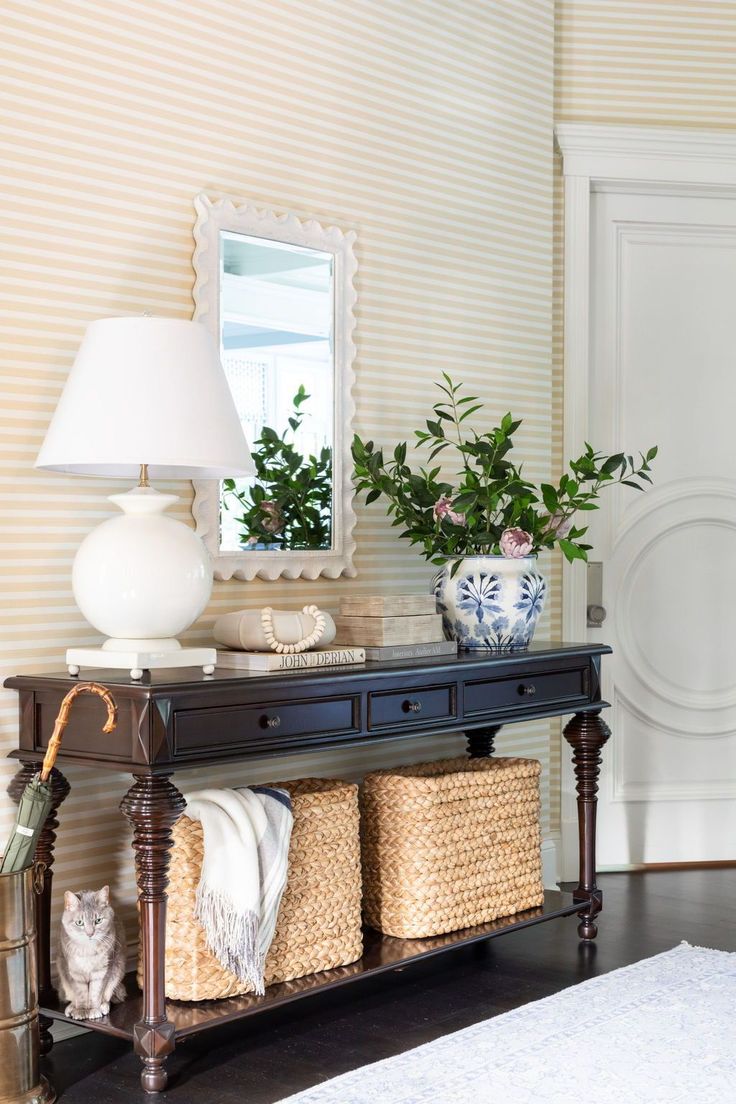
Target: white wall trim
(620,158)
(633,153)
(551,866)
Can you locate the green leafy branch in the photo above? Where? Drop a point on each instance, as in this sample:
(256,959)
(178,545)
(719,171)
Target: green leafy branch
(488,493)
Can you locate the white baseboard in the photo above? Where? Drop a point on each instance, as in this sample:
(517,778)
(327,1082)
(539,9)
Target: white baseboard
(551,867)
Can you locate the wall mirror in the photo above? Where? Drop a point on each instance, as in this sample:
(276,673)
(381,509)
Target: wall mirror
(278,295)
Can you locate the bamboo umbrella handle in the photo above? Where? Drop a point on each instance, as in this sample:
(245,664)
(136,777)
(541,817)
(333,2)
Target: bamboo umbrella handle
(63,717)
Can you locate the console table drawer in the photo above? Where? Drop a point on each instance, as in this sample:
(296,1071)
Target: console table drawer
(411,706)
(532,691)
(244,726)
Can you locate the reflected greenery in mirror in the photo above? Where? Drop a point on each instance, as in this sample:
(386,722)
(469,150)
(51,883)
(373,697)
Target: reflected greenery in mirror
(277,349)
(290,504)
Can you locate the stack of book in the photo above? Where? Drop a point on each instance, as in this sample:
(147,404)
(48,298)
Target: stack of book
(289,661)
(404,626)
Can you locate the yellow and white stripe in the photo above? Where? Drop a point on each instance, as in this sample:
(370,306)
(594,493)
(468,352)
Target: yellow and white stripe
(649,62)
(424,126)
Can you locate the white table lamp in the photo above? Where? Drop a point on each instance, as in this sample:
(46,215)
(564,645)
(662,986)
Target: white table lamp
(146,397)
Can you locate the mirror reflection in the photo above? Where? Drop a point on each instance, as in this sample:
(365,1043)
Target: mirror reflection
(277,348)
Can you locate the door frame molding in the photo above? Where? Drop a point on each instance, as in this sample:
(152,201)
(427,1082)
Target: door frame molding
(655,160)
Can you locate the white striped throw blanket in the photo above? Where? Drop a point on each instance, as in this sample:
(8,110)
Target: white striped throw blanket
(246,854)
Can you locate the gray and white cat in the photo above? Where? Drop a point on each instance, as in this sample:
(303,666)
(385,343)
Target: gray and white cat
(92,959)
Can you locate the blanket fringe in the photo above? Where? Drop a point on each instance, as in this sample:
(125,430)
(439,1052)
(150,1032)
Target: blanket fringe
(231,937)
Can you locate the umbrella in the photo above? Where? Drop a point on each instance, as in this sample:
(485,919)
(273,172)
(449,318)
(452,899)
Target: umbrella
(35,803)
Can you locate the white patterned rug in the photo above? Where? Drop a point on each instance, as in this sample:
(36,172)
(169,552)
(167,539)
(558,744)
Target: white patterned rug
(662,1030)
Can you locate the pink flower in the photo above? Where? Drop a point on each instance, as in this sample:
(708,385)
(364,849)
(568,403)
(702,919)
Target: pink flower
(559,525)
(443,508)
(515,543)
(274,521)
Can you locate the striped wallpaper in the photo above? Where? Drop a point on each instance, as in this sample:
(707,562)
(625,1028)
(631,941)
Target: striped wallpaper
(649,62)
(423,126)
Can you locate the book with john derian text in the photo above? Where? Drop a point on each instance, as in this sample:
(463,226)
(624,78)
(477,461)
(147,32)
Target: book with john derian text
(289,661)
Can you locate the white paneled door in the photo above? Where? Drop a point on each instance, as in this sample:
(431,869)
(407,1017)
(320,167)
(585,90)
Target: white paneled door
(661,369)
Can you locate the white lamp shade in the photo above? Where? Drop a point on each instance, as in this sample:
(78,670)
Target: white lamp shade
(147,391)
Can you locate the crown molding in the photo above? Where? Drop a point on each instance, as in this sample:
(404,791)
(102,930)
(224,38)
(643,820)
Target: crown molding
(648,154)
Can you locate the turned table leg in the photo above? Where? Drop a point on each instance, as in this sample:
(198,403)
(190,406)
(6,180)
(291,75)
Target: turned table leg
(44,854)
(481,741)
(153,805)
(587,733)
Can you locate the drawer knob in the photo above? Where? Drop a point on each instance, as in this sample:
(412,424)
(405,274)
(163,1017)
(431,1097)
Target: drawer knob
(527,689)
(412,707)
(271,722)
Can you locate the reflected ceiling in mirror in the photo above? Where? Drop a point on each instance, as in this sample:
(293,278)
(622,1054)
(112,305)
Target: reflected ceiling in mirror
(278,295)
(276,338)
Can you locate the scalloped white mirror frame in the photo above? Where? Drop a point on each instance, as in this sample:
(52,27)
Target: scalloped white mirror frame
(223,214)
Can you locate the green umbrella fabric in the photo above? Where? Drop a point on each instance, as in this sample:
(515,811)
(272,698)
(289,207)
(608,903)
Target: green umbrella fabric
(33,809)
(36,802)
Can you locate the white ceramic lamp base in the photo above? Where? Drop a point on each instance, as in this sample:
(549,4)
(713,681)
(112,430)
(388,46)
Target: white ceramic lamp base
(141,578)
(139,656)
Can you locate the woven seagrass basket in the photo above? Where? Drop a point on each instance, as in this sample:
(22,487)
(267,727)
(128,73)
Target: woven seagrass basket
(319,920)
(449,845)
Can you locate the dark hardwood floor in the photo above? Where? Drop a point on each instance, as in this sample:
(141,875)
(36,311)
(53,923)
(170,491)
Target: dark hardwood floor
(261,1061)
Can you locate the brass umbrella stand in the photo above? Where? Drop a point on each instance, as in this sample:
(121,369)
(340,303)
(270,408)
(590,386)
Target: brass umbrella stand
(20,1078)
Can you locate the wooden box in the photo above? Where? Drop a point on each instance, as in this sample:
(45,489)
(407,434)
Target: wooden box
(379,631)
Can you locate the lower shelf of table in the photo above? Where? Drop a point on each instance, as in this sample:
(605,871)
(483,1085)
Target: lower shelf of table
(382,954)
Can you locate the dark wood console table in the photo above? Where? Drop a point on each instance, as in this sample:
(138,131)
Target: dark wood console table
(179,718)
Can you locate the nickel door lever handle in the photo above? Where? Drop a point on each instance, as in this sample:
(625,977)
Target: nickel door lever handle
(596,611)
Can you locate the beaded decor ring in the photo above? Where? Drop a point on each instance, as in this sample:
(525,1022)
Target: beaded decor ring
(302,645)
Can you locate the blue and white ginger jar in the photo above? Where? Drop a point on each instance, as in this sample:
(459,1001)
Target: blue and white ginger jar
(492,603)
